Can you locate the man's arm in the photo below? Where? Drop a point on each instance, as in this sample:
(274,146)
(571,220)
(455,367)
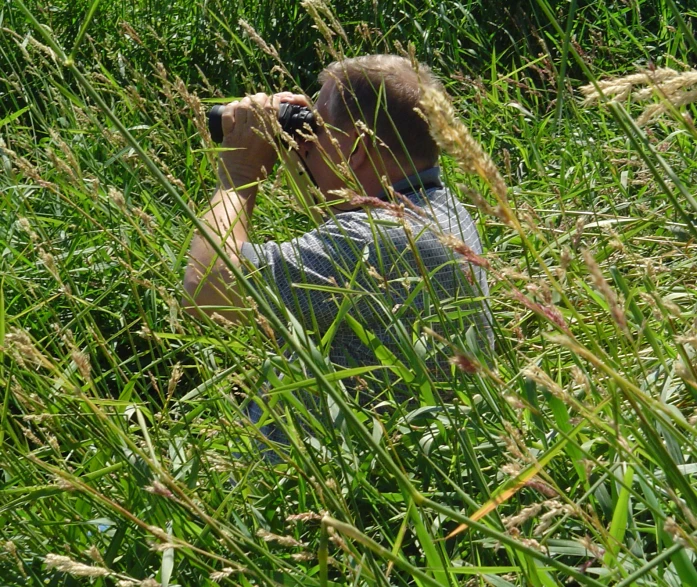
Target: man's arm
(248,154)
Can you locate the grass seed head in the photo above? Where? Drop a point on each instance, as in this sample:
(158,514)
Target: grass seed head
(225,572)
(327,24)
(22,348)
(466,363)
(287,541)
(675,89)
(305,517)
(82,362)
(158,488)
(454,138)
(541,378)
(604,287)
(65,564)
(592,547)
(302,557)
(523,516)
(263,45)
(457,245)
(26,227)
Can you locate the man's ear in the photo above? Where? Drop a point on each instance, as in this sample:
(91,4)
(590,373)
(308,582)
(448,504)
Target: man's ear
(359,154)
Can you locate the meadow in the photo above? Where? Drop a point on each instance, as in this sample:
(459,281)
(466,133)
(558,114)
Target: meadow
(126,453)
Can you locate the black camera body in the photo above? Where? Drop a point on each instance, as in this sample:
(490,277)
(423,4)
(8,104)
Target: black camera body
(291,117)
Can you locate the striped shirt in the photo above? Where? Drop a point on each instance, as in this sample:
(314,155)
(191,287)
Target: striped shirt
(378,275)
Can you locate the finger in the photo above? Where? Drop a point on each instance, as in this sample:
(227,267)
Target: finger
(257,102)
(245,103)
(265,104)
(291,98)
(264,107)
(229,116)
(230,109)
(261,98)
(280,98)
(242,111)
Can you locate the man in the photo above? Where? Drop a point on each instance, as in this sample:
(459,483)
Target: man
(380,271)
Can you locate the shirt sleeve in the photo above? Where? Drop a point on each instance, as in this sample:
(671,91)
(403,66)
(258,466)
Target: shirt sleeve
(298,272)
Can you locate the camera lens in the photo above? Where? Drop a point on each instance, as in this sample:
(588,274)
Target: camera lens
(215,123)
(292,118)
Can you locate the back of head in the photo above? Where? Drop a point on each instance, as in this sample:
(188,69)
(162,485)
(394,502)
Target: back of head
(383,92)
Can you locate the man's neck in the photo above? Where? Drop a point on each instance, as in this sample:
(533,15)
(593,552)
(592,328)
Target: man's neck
(423,179)
(377,180)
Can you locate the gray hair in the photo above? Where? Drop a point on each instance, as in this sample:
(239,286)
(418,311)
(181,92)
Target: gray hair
(383,92)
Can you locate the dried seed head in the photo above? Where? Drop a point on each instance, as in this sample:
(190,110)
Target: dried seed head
(95,555)
(592,547)
(674,88)
(549,311)
(554,509)
(323,17)
(69,566)
(26,227)
(514,441)
(685,373)
(671,527)
(263,45)
(454,138)
(673,309)
(302,557)
(457,245)
(221,320)
(604,287)
(466,363)
(128,30)
(146,332)
(22,348)
(523,516)
(82,362)
(225,573)
(541,378)
(565,259)
(53,443)
(116,196)
(511,469)
(144,217)
(158,488)
(514,401)
(305,517)
(49,262)
(177,372)
(287,541)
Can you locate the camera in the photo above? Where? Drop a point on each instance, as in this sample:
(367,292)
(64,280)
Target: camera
(291,117)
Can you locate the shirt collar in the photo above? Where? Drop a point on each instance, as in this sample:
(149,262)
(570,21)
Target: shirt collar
(427,179)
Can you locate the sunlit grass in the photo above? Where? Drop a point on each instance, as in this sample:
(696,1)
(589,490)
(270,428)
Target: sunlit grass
(125,439)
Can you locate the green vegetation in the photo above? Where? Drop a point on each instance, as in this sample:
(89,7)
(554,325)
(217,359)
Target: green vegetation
(124,441)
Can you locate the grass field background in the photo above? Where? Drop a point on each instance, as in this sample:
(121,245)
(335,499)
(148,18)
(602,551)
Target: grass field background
(126,457)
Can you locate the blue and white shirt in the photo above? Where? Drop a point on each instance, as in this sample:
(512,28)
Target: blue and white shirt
(397,275)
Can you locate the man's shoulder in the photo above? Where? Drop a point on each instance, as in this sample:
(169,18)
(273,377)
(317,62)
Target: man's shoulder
(353,223)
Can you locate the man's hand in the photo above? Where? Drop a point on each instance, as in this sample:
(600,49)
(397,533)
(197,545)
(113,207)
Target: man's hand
(248,138)
(249,151)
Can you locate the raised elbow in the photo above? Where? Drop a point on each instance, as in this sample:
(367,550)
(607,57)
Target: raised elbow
(211,293)
(194,285)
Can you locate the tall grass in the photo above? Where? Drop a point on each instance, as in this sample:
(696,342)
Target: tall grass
(127,456)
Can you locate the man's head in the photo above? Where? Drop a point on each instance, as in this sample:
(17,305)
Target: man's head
(371,104)
(383,92)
